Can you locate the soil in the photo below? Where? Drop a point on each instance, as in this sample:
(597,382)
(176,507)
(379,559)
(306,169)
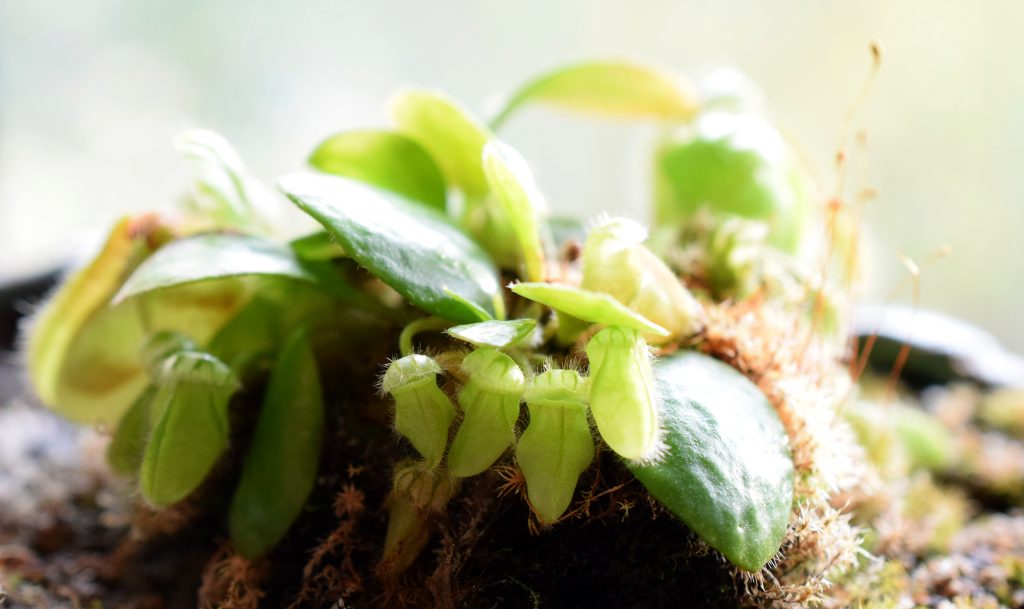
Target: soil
(72,535)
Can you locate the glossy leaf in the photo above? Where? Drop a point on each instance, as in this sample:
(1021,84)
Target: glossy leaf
(210,257)
(481,313)
(609,88)
(386,159)
(280,470)
(412,248)
(593,307)
(727,472)
(190,411)
(496,334)
(523,205)
(452,136)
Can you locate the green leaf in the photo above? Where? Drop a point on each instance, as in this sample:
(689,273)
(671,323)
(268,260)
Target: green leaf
(727,472)
(386,159)
(481,313)
(191,431)
(412,248)
(255,331)
(318,246)
(129,442)
(608,88)
(280,470)
(213,256)
(452,136)
(593,307)
(497,334)
(733,164)
(521,202)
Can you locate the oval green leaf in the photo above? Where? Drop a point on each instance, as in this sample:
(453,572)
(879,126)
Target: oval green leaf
(280,470)
(594,307)
(496,334)
(414,249)
(213,256)
(727,472)
(387,159)
(452,136)
(608,88)
(512,182)
(191,431)
(737,164)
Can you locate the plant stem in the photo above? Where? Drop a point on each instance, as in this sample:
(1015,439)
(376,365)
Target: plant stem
(420,325)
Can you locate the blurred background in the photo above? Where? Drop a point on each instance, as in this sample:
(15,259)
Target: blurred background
(91,94)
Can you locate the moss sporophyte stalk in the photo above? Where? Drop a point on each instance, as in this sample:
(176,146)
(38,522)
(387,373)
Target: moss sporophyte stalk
(506,344)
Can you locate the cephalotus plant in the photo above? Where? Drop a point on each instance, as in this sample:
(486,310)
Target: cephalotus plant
(547,339)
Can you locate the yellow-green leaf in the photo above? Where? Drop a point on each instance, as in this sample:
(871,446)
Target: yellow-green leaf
(280,470)
(453,136)
(594,307)
(523,205)
(79,299)
(386,159)
(618,88)
(496,334)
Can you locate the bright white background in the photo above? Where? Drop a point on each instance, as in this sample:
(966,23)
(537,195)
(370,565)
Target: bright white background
(91,93)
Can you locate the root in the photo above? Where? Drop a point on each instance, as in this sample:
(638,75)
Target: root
(231,581)
(323,578)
